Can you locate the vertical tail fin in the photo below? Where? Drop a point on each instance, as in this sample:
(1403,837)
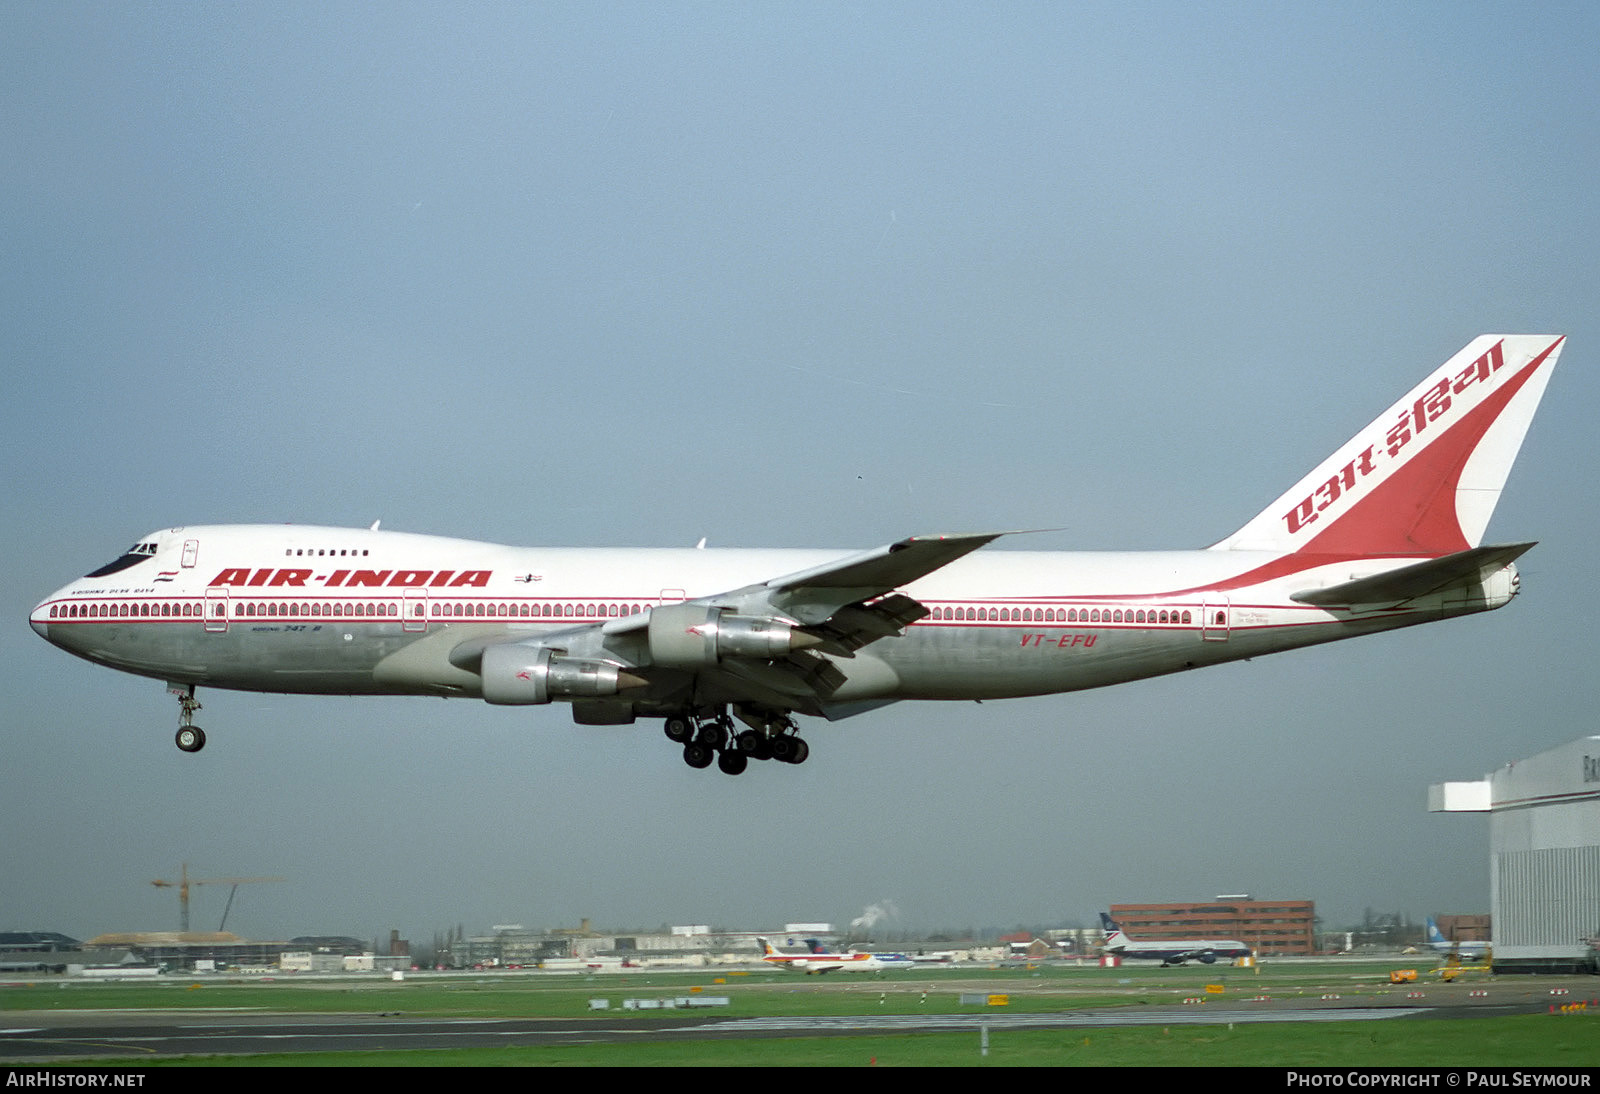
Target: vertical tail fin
(1114,940)
(1424,478)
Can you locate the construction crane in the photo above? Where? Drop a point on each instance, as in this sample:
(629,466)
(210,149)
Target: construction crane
(184,881)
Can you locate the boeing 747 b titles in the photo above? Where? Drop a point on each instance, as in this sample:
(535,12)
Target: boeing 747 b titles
(1169,951)
(729,646)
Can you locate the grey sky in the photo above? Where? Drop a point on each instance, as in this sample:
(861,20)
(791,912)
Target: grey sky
(776,275)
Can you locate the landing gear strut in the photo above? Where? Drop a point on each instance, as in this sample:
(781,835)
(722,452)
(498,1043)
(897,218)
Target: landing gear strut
(770,737)
(790,750)
(190,738)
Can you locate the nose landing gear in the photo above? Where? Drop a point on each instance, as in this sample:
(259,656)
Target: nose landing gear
(190,737)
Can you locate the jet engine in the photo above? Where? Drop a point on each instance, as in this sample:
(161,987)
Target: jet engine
(692,636)
(516,674)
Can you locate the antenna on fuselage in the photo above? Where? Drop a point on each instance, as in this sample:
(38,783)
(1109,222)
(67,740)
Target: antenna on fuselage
(374,527)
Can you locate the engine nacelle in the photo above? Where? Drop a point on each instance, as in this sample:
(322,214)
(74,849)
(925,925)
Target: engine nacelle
(516,675)
(692,636)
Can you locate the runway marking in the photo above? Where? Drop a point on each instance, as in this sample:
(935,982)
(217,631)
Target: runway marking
(1078,1020)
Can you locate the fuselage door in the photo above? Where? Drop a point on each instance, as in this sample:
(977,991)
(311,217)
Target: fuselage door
(1214,619)
(414,611)
(217,609)
(191,553)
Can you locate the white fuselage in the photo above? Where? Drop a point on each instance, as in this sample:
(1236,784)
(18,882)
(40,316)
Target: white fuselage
(1387,532)
(1178,952)
(324,610)
(838,962)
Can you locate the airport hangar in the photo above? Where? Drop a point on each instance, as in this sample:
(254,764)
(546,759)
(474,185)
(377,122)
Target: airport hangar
(1544,856)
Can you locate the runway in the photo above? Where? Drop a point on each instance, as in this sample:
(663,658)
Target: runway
(53,1037)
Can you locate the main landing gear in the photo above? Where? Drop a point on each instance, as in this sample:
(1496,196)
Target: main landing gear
(190,738)
(713,738)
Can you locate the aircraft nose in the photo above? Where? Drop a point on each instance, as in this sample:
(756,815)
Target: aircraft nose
(39,620)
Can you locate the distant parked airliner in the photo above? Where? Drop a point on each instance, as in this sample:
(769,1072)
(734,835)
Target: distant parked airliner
(1169,951)
(817,960)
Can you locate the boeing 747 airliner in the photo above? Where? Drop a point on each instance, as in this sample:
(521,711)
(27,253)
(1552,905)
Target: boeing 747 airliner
(1169,951)
(1385,533)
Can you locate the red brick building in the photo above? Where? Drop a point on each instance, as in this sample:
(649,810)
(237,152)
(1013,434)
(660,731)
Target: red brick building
(1269,927)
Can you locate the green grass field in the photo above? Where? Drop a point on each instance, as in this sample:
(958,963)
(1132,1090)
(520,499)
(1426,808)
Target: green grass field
(1527,1041)
(1565,1039)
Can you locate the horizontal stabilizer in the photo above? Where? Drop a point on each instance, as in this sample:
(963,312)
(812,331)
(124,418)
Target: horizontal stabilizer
(1418,579)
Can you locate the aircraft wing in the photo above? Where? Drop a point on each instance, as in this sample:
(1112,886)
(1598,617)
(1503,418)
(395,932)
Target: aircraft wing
(772,643)
(847,601)
(887,567)
(1418,579)
(814,596)
(834,609)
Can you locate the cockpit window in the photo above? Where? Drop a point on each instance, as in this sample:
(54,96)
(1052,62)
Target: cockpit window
(131,557)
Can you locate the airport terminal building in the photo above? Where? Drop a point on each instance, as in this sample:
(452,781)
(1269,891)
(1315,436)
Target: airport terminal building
(1544,856)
